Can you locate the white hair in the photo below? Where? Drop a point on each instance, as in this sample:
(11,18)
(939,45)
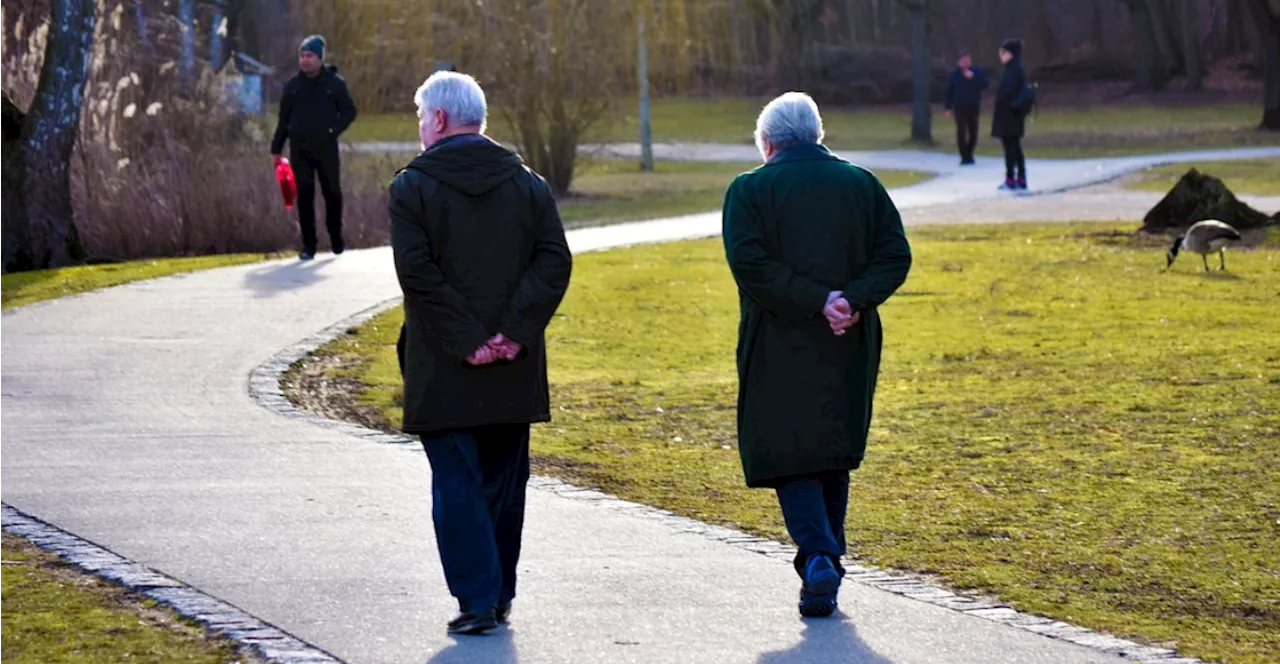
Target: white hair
(790,119)
(458,95)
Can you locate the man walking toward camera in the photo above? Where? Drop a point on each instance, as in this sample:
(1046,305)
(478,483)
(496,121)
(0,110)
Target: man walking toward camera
(963,99)
(314,111)
(815,246)
(481,256)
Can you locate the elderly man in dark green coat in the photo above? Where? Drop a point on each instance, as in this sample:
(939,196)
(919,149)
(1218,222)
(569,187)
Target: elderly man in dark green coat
(815,245)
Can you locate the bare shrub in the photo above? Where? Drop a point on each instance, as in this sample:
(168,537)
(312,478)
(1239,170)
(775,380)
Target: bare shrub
(163,167)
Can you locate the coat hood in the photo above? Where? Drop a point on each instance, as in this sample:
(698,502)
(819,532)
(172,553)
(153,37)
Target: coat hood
(471,163)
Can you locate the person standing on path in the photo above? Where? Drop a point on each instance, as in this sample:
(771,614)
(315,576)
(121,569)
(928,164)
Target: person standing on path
(481,256)
(815,246)
(1009,121)
(963,100)
(315,109)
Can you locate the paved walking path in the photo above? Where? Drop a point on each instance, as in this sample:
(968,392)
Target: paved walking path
(128,421)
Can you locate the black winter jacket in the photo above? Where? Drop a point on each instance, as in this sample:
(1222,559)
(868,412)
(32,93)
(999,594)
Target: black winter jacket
(314,110)
(965,93)
(479,250)
(1010,116)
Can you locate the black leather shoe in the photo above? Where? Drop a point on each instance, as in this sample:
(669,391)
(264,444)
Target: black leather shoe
(473,623)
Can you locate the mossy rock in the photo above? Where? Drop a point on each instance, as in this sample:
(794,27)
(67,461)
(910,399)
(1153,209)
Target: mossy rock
(1199,196)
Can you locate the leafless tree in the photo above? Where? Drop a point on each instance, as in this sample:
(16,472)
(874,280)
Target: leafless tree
(1267,15)
(44,233)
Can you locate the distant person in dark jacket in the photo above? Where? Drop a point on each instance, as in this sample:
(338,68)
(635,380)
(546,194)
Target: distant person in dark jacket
(963,99)
(314,111)
(481,255)
(1013,101)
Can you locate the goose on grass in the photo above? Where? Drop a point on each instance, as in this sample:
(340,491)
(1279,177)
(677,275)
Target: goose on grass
(1204,238)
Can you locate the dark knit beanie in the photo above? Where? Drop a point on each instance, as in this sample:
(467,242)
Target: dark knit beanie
(1013,46)
(315,44)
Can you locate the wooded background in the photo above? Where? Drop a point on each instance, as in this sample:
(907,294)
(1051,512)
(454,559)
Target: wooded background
(853,51)
(132,89)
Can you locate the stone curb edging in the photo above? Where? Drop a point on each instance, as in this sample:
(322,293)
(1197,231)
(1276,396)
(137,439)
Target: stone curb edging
(219,617)
(264,387)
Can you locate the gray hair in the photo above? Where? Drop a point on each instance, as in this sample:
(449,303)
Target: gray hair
(790,119)
(458,95)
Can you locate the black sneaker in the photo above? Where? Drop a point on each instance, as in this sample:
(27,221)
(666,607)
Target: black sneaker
(307,254)
(339,247)
(821,584)
(503,612)
(816,606)
(473,623)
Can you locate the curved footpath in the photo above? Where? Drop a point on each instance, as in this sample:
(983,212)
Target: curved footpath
(128,420)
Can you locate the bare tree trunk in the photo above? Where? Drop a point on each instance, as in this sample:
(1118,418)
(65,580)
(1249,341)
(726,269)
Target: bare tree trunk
(1151,72)
(1236,40)
(13,216)
(875,21)
(735,37)
(1191,45)
(1166,37)
(1266,15)
(49,136)
(851,20)
(144,35)
(1050,42)
(1097,36)
(187,66)
(921,113)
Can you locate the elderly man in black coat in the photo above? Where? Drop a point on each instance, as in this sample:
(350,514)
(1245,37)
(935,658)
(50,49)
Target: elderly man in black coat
(481,256)
(1014,98)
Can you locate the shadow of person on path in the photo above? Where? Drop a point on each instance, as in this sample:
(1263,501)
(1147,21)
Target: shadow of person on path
(271,280)
(498,647)
(831,640)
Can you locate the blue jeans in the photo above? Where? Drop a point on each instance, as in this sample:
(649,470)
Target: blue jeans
(478,479)
(813,507)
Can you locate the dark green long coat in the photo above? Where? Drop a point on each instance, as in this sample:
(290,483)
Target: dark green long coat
(803,225)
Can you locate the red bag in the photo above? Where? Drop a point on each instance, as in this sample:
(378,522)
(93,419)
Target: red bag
(288,186)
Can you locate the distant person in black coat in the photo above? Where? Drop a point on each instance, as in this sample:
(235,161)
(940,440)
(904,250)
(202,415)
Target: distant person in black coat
(963,97)
(1013,101)
(315,109)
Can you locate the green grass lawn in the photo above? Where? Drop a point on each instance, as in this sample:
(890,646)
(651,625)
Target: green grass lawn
(1259,177)
(53,614)
(22,288)
(1058,423)
(612,190)
(1053,132)
(608,190)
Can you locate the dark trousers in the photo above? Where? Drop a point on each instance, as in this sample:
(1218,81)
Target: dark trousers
(966,131)
(813,508)
(478,479)
(1014,160)
(311,164)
